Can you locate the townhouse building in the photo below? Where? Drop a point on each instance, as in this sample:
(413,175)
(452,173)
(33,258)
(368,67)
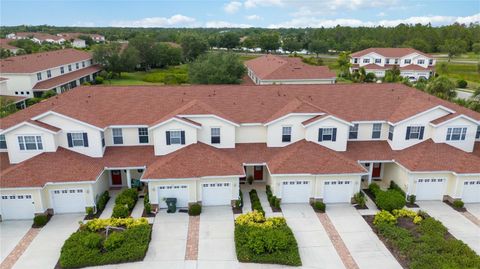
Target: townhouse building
(199,143)
(30,75)
(273,69)
(412,63)
(37,37)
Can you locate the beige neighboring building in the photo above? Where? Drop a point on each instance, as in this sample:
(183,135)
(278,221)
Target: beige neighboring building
(37,37)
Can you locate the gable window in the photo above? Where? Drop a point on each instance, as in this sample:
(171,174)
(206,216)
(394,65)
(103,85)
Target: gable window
(69,68)
(378,61)
(407,61)
(77,65)
(430,62)
(102,136)
(391,128)
(83,64)
(477,136)
(353,132)
(77,140)
(3,143)
(286,134)
(215,135)
(327,134)
(366,60)
(39,76)
(49,74)
(143,135)
(62,70)
(387,61)
(376,130)
(396,61)
(117,136)
(415,132)
(30,142)
(175,137)
(420,61)
(355,60)
(456,134)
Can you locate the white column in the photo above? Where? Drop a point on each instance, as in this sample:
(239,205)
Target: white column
(129,179)
(370,171)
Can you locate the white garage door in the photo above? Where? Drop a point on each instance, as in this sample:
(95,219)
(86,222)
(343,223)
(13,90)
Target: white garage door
(17,207)
(430,189)
(337,191)
(296,191)
(68,201)
(173,191)
(216,193)
(471,191)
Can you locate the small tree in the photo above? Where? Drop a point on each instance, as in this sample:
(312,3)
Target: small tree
(193,45)
(229,40)
(7,106)
(269,41)
(476,48)
(454,47)
(318,46)
(217,68)
(291,45)
(443,88)
(343,63)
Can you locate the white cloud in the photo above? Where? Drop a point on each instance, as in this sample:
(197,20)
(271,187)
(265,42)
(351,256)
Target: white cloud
(253,17)
(84,24)
(225,24)
(381,14)
(310,21)
(263,3)
(173,21)
(232,7)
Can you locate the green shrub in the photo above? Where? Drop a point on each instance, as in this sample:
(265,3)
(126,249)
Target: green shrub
(458,204)
(374,188)
(194,209)
(250,180)
(99,80)
(40,220)
(431,226)
(102,201)
(383,217)
(461,83)
(120,211)
(320,206)
(89,210)
(241,198)
(92,240)
(255,201)
(360,199)
(276,203)
(127,197)
(411,199)
(394,186)
(389,200)
(114,241)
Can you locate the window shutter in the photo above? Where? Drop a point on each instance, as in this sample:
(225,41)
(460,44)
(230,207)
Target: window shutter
(69,138)
(183,137)
(422,130)
(407,136)
(168,137)
(85,139)
(320,133)
(334,135)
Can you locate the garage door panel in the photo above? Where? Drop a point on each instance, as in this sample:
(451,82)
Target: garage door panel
(471,191)
(216,194)
(337,191)
(430,189)
(68,200)
(173,191)
(17,206)
(296,191)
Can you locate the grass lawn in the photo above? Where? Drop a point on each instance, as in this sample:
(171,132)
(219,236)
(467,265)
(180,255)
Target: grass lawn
(465,56)
(171,75)
(467,72)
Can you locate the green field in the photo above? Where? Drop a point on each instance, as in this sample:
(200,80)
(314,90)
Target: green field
(172,76)
(467,72)
(466,56)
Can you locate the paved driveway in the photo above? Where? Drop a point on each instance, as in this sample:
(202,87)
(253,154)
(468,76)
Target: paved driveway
(459,226)
(216,246)
(11,232)
(314,245)
(365,247)
(474,209)
(44,250)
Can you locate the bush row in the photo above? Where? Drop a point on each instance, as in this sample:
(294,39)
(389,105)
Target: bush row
(387,200)
(124,203)
(273,200)
(256,205)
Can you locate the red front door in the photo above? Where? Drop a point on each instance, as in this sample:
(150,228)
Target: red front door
(258,172)
(116,177)
(377,168)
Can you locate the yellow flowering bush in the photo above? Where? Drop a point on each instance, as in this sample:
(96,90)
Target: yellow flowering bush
(384,217)
(99,224)
(257,219)
(417,219)
(402,213)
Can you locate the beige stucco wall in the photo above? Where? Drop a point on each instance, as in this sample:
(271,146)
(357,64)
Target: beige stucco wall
(101,185)
(365,131)
(394,172)
(251,134)
(159,137)
(130,137)
(16,155)
(274,130)
(311,134)
(227,131)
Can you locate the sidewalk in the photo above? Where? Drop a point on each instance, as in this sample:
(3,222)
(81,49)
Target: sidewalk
(107,212)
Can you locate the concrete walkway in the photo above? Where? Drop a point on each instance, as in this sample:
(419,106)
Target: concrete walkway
(44,250)
(316,249)
(107,212)
(365,247)
(138,209)
(459,226)
(11,232)
(474,209)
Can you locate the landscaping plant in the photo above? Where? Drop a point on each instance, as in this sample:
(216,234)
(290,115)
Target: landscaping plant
(40,220)
(389,200)
(374,188)
(194,209)
(360,199)
(319,206)
(102,201)
(250,180)
(411,199)
(124,203)
(458,204)
(255,201)
(394,186)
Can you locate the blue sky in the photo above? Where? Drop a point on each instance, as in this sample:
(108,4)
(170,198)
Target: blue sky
(237,13)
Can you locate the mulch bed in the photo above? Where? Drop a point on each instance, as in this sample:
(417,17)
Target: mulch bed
(275,209)
(462,209)
(49,216)
(361,207)
(316,210)
(148,215)
(369,194)
(96,215)
(237,210)
(412,205)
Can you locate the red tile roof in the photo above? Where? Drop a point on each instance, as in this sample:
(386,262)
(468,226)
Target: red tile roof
(277,67)
(38,35)
(389,52)
(414,67)
(43,60)
(4,44)
(66,78)
(103,106)
(14,99)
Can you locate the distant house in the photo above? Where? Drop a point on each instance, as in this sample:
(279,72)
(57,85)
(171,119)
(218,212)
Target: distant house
(60,70)
(79,43)
(412,63)
(37,37)
(72,36)
(271,69)
(4,45)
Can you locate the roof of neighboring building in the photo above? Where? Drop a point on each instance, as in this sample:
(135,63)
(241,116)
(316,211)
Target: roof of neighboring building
(476,149)
(414,67)
(103,106)
(38,35)
(270,67)
(35,62)
(65,78)
(4,44)
(44,125)
(389,52)
(14,99)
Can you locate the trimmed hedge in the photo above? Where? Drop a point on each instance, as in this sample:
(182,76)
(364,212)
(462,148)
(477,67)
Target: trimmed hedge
(272,200)
(40,220)
(394,186)
(389,200)
(194,209)
(256,205)
(319,206)
(374,189)
(124,203)
(102,201)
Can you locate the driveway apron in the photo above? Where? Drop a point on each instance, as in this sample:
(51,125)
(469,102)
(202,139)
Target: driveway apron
(11,232)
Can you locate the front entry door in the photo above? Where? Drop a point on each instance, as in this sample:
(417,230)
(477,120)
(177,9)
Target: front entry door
(258,172)
(116,177)
(377,168)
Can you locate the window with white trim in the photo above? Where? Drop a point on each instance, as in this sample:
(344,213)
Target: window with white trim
(376,130)
(69,68)
(175,137)
(215,135)
(327,134)
(102,137)
(77,65)
(396,61)
(353,132)
(143,135)
(407,61)
(378,61)
(414,132)
(391,128)
(83,63)
(366,60)
(355,60)
(62,70)
(387,61)
(286,134)
(456,134)
(117,136)
(49,74)
(430,62)
(39,76)
(477,136)
(421,61)
(30,142)
(3,143)
(77,139)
